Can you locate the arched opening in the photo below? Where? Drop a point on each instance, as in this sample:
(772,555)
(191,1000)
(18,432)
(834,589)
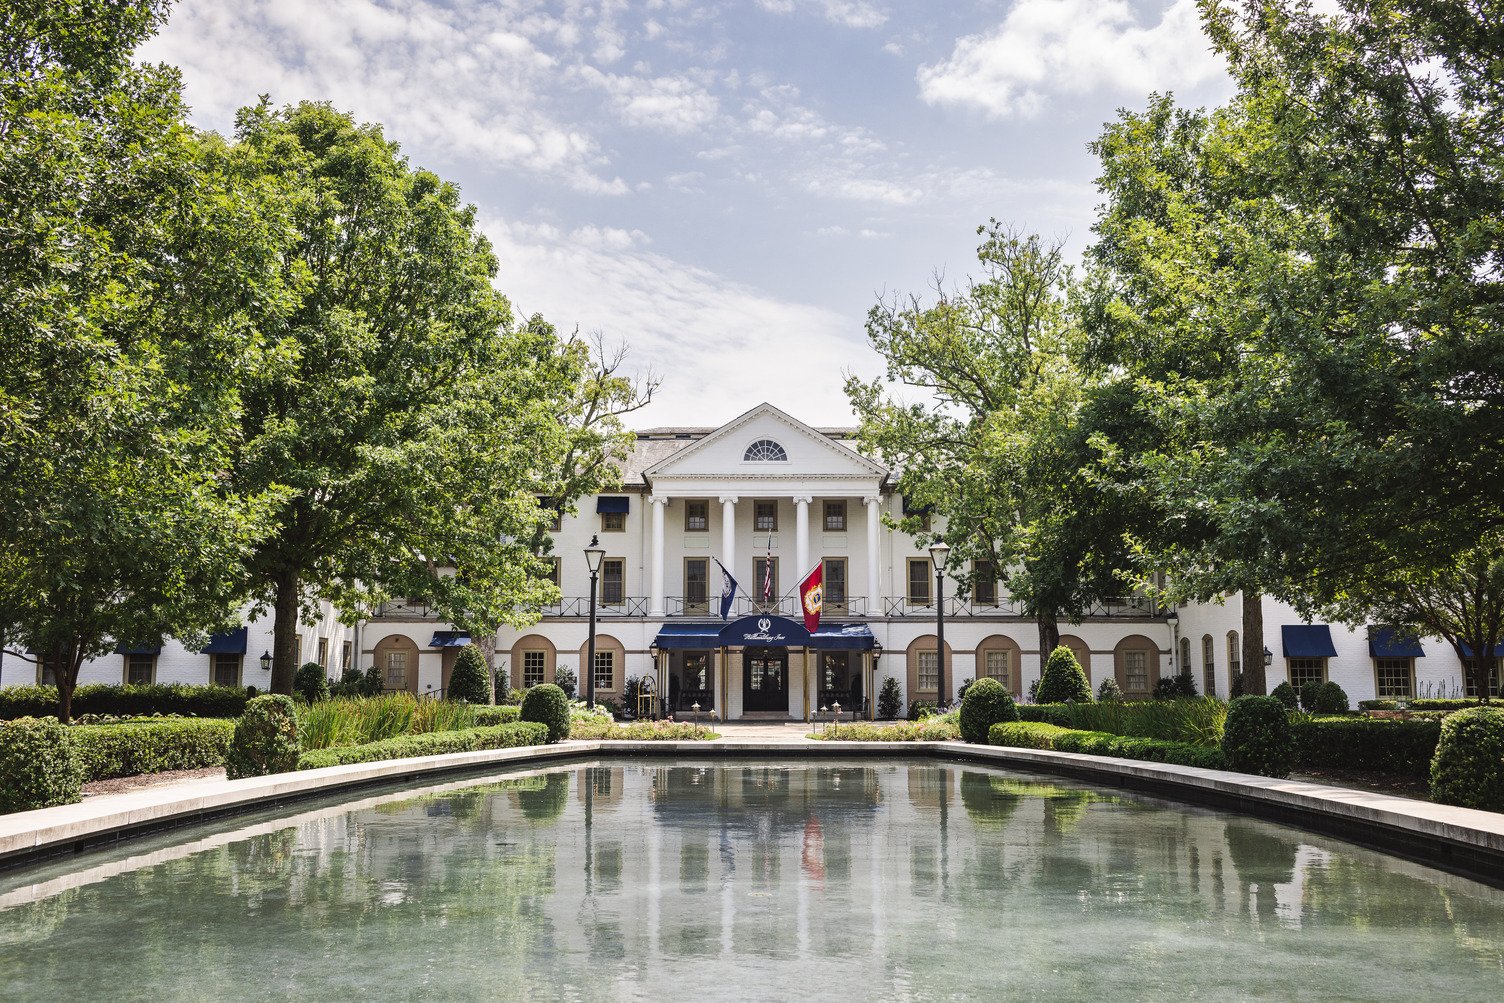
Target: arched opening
(1136,666)
(610,667)
(1208,666)
(396,656)
(534,661)
(1000,657)
(923,669)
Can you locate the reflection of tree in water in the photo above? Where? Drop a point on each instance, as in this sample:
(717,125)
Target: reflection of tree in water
(542,798)
(987,799)
(1261,859)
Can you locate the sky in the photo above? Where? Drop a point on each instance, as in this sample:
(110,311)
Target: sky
(725,187)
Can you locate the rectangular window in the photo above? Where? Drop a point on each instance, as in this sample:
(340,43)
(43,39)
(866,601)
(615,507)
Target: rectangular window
(225,670)
(929,675)
(696,584)
(345,652)
(697,516)
(324,653)
(835,671)
(613,522)
(46,672)
(1395,676)
(139,669)
(532,668)
(1496,682)
(765,516)
(835,516)
(998,665)
(984,584)
(1304,670)
(919,581)
(1136,673)
(613,581)
(555,520)
(396,670)
(765,580)
(696,673)
(605,670)
(834,584)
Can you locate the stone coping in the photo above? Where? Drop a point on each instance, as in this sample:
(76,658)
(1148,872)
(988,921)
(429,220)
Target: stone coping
(1462,840)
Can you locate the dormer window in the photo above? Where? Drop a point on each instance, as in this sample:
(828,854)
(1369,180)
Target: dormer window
(766,451)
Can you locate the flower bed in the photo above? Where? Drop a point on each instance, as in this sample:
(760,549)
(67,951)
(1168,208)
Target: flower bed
(602,728)
(501,736)
(930,729)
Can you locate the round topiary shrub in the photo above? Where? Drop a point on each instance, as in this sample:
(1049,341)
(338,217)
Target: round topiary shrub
(1109,691)
(38,765)
(1257,737)
(1062,679)
(985,704)
(265,739)
(470,679)
(1468,768)
(1331,699)
(547,704)
(1285,694)
(1310,692)
(311,682)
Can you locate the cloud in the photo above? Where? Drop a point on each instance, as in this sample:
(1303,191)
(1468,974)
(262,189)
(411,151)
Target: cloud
(721,346)
(673,104)
(848,13)
(1045,49)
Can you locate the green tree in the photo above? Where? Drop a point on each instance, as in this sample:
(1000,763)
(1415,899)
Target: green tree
(1007,449)
(136,271)
(411,421)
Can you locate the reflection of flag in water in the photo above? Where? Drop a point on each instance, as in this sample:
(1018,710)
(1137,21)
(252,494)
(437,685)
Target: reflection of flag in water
(728,589)
(813,857)
(767,572)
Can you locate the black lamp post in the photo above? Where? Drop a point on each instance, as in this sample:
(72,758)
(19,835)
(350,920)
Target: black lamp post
(593,557)
(266,661)
(939,551)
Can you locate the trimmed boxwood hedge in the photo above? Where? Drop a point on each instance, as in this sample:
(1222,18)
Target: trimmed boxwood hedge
(985,704)
(1421,703)
(1365,743)
(501,714)
(39,767)
(547,704)
(1034,735)
(1045,713)
(501,736)
(126,701)
(1256,738)
(1469,766)
(135,747)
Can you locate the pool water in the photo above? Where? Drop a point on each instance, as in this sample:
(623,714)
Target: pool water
(640,880)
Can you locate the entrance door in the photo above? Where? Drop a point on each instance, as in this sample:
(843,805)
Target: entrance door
(765,681)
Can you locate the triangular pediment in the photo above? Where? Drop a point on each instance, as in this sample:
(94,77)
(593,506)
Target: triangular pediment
(809,453)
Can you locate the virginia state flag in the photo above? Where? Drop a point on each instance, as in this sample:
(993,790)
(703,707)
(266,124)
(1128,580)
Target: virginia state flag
(728,589)
(812,597)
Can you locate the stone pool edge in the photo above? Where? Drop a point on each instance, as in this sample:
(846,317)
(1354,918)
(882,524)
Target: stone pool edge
(1461,840)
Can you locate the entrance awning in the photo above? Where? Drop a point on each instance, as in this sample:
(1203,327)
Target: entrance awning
(231,642)
(1311,640)
(1386,642)
(1467,650)
(767,632)
(689,635)
(449,639)
(843,637)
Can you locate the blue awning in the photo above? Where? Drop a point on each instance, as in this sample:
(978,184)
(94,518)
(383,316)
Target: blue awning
(689,635)
(1467,650)
(139,649)
(449,639)
(229,643)
(1387,642)
(612,504)
(1311,640)
(766,631)
(843,637)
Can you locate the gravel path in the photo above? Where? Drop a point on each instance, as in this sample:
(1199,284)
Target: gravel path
(120,785)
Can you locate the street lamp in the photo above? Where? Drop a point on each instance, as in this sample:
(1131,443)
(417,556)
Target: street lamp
(1268,658)
(593,557)
(266,661)
(1173,622)
(939,551)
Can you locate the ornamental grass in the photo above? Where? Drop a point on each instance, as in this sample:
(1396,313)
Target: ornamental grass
(347,721)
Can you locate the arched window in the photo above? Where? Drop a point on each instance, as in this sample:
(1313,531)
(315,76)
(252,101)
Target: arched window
(766,450)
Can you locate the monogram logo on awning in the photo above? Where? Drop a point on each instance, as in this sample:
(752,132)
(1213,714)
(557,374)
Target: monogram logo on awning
(764,624)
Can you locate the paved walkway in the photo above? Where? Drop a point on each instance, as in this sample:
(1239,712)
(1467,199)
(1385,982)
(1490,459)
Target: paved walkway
(793,733)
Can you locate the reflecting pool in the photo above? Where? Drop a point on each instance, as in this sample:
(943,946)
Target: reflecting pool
(905,880)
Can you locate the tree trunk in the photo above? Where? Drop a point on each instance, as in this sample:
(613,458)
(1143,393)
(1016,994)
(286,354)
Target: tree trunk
(1049,637)
(1254,680)
(487,647)
(285,633)
(66,664)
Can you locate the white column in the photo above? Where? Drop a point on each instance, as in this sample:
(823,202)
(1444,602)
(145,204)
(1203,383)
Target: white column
(874,577)
(801,537)
(728,535)
(655,598)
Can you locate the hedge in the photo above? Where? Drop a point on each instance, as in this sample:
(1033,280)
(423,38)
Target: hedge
(1434,703)
(126,701)
(985,704)
(1033,735)
(1045,713)
(1469,765)
(39,767)
(501,714)
(501,736)
(135,747)
(1366,743)
(1256,738)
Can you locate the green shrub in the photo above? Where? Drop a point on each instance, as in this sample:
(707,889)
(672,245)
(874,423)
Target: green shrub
(566,680)
(1109,691)
(935,728)
(265,740)
(1182,686)
(1331,699)
(1024,734)
(1045,713)
(132,748)
(597,727)
(311,682)
(888,699)
(921,709)
(514,697)
(355,683)
(1310,692)
(1062,679)
(547,704)
(1285,694)
(357,720)
(125,701)
(486,717)
(470,679)
(1256,737)
(1365,743)
(1235,687)
(1198,720)
(985,704)
(1468,769)
(39,766)
(1035,735)
(501,736)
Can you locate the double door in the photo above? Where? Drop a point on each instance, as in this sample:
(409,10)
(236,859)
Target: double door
(765,679)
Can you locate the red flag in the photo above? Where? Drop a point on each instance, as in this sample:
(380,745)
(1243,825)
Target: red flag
(812,597)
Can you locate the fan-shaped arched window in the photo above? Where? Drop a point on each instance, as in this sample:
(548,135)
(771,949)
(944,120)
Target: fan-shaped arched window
(766,450)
